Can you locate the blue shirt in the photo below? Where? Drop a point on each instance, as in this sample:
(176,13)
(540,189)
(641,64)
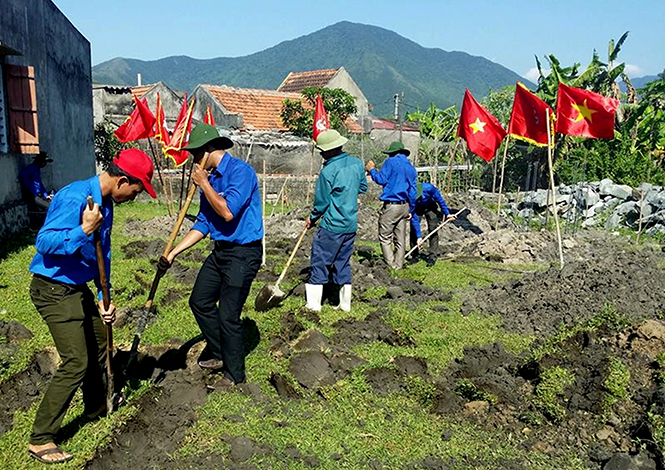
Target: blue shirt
(340,181)
(64,252)
(430,195)
(31,179)
(398,178)
(236,182)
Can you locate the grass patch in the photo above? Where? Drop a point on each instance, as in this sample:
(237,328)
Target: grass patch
(552,384)
(616,383)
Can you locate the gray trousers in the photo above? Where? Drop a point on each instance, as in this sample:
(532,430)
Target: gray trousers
(392,233)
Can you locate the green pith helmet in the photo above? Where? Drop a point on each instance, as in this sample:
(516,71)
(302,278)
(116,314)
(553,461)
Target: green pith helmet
(204,134)
(397,147)
(330,139)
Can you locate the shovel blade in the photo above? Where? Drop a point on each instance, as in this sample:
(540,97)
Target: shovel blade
(268,297)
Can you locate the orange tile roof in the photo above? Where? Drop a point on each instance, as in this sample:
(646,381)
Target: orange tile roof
(139,91)
(353,126)
(260,109)
(296,81)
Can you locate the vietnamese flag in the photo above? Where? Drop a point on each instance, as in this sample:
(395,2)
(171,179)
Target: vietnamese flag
(207,118)
(180,136)
(321,121)
(482,131)
(161,134)
(138,125)
(584,113)
(528,119)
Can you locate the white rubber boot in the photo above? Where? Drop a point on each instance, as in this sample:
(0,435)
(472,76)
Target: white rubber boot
(345,297)
(313,295)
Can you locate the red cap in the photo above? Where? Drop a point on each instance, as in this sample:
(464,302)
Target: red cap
(138,164)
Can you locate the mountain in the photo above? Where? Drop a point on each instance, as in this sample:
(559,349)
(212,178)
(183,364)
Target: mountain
(639,82)
(380,61)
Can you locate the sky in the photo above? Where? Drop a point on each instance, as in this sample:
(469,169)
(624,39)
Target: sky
(509,33)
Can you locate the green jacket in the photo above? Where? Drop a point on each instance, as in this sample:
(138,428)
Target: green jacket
(340,181)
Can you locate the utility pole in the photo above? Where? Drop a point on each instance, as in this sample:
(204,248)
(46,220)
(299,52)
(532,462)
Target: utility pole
(396,114)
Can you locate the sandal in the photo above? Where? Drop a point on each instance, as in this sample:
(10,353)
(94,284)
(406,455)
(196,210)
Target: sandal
(39,455)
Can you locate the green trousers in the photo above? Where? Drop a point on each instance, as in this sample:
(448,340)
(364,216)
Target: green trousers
(80,338)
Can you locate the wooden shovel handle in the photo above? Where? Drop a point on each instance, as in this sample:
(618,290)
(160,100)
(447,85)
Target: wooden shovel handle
(434,231)
(293,254)
(103,281)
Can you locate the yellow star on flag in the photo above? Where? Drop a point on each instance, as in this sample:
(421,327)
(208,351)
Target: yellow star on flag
(585,112)
(477,126)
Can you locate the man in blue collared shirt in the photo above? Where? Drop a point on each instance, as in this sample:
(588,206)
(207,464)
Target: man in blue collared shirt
(398,178)
(431,205)
(231,214)
(65,261)
(31,181)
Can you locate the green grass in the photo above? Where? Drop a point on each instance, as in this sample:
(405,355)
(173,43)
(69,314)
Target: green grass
(549,390)
(616,384)
(345,419)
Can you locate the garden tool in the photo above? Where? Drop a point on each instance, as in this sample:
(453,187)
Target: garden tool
(434,231)
(270,296)
(106,299)
(148,310)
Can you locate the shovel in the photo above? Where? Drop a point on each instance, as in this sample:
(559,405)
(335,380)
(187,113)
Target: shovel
(106,299)
(433,232)
(270,296)
(149,307)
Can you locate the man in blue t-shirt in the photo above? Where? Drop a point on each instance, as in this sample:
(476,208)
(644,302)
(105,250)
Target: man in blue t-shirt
(31,181)
(398,179)
(340,181)
(431,205)
(231,214)
(63,265)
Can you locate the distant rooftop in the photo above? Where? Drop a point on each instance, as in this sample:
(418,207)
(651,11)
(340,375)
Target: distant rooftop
(297,81)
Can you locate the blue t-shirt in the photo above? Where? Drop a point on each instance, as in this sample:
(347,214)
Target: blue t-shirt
(64,252)
(236,182)
(429,196)
(398,178)
(31,179)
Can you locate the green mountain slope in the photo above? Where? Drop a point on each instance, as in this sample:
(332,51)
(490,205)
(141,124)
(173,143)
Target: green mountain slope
(380,61)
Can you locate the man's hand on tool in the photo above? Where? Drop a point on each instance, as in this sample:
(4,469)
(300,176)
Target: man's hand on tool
(370,165)
(451,217)
(92,219)
(419,243)
(164,264)
(199,176)
(308,223)
(107,315)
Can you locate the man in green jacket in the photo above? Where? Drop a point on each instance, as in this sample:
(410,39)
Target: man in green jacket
(340,181)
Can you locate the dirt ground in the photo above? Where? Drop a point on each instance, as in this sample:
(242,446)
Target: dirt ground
(498,390)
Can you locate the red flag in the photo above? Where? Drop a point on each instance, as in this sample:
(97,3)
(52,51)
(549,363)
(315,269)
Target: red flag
(138,125)
(321,121)
(207,118)
(584,113)
(528,118)
(180,136)
(161,134)
(482,132)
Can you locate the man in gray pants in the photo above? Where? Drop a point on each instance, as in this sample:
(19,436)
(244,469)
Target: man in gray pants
(398,178)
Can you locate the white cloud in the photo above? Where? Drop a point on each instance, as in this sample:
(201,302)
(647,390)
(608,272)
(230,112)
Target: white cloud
(633,71)
(533,75)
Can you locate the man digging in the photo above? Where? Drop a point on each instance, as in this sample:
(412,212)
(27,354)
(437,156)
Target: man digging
(64,263)
(231,214)
(340,181)
(398,178)
(431,205)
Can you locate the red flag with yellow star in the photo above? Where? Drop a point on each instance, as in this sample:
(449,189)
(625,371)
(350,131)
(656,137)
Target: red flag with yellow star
(482,131)
(321,121)
(161,134)
(584,113)
(528,120)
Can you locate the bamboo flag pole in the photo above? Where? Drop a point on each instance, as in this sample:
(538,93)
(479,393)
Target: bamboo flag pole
(451,162)
(549,161)
(263,259)
(155,159)
(503,168)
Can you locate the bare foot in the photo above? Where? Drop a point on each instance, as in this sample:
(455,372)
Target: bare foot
(48,452)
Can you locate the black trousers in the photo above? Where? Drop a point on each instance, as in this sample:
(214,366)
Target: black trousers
(434,218)
(220,291)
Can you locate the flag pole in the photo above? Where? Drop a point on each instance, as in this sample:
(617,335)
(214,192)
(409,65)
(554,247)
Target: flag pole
(161,179)
(503,168)
(263,242)
(451,162)
(549,161)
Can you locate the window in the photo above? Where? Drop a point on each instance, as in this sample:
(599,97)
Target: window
(22,109)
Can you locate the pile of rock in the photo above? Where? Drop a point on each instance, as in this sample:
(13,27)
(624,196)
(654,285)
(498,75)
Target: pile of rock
(592,204)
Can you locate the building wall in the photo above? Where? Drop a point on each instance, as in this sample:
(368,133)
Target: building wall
(344,81)
(61,58)
(410,139)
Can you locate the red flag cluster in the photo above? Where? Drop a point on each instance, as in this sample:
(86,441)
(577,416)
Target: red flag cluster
(142,124)
(579,113)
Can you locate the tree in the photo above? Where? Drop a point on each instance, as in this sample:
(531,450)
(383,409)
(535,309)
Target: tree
(298,117)
(107,145)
